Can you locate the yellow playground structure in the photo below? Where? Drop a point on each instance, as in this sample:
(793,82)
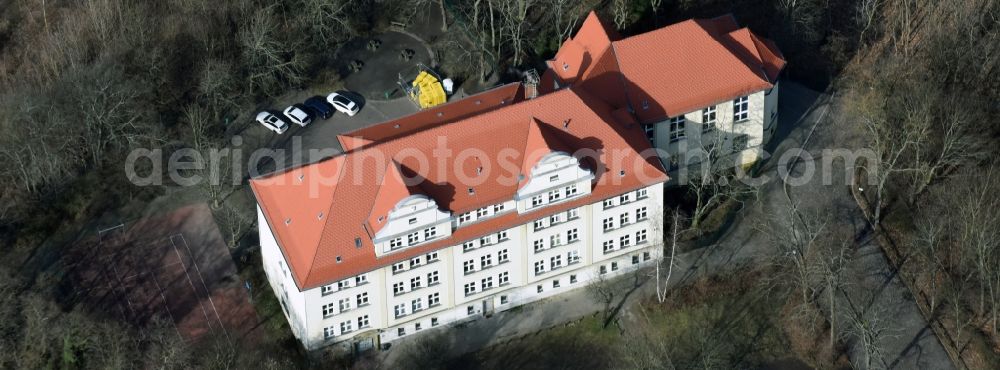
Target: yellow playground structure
(425,90)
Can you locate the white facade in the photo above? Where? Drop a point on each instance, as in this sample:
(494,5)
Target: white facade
(733,130)
(490,273)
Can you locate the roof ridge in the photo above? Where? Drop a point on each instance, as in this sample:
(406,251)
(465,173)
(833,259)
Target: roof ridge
(322,235)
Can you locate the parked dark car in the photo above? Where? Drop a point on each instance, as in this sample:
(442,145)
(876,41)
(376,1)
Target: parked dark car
(319,107)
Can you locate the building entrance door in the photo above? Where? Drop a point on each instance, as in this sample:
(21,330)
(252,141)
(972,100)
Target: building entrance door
(488,307)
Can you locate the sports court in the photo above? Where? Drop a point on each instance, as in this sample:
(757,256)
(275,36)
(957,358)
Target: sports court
(173,269)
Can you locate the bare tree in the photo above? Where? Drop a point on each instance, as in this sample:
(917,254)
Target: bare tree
(270,62)
(797,237)
(236,222)
(945,143)
(664,283)
(514,16)
(869,326)
(979,235)
(833,260)
(622,10)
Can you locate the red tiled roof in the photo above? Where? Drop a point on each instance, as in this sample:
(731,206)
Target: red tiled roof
(685,67)
(449,112)
(347,188)
(675,69)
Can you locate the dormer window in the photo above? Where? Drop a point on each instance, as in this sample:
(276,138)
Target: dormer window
(565,66)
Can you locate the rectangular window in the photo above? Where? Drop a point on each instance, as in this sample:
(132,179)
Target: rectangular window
(554,195)
(677,129)
(603,270)
(415,283)
(345,304)
(641,193)
(345,327)
(498,208)
(614,266)
(645,256)
(555,240)
(360,279)
(486,261)
(412,221)
(553,178)
(468,246)
(400,310)
(536,201)
(465,217)
(504,299)
(539,289)
(487,283)
(572,236)
(430,233)
(624,219)
(470,288)
(539,267)
(740,142)
(433,256)
(397,288)
(434,299)
(327,289)
(363,322)
(329,332)
(572,279)
(486,240)
(555,284)
(504,277)
(573,257)
(539,224)
(481,212)
(640,236)
(401,332)
(741,109)
(571,190)
(609,245)
(539,245)
(398,267)
(503,256)
(625,240)
(708,119)
(469,266)
(556,262)
(624,198)
(608,203)
(432,278)
(413,238)
(501,236)
(395,243)
(555,219)
(362,299)
(650,131)
(640,214)
(573,213)
(470,310)
(434,321)
(635,259)
(328,310)
(417,304)
(341,285)
(415,262)
(609,223)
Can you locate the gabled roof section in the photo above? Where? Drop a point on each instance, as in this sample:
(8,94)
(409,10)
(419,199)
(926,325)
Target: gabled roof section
(449,112)
(687,66)
(296,204)
(392,189)
(580,53)
(539,142)
(349,143)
